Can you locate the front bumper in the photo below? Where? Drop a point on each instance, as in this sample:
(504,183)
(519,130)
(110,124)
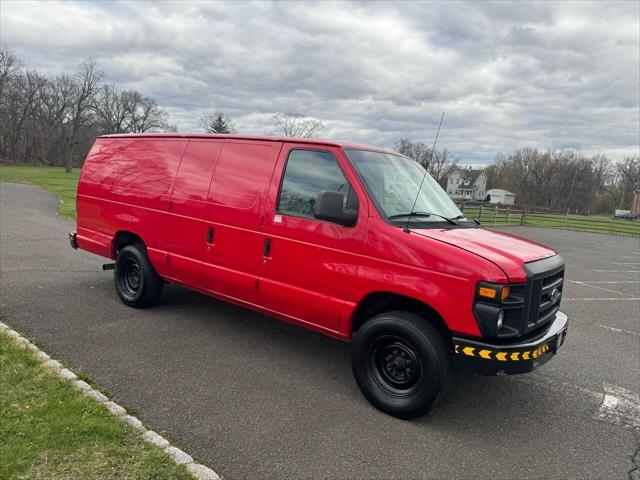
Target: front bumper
(511,358)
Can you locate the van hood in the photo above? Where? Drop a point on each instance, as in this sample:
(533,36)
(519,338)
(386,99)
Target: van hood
(508,252)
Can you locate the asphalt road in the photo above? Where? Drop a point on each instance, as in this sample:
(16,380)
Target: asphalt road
(254,397)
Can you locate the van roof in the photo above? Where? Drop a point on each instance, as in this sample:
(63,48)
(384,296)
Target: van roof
(262,138)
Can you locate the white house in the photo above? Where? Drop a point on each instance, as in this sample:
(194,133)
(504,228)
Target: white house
(498,195)
(467,184)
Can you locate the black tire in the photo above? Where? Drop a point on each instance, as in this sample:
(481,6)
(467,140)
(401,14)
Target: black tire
(401,364)
(137,283)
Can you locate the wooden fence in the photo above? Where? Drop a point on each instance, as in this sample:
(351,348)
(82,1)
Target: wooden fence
(501,215)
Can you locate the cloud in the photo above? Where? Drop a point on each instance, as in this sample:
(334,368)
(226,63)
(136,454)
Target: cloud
(555,75)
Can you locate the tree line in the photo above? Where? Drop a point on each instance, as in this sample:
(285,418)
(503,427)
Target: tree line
(554,180)
(439,163)
(566,180)
(53,119)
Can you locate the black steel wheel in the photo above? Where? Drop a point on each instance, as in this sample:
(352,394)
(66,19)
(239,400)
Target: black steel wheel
(395,365)
(137,283)
(401,363)
(130,276)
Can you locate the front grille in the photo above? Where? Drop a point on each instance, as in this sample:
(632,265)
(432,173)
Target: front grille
(545,281)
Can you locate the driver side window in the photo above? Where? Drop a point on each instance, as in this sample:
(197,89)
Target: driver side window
(307,173)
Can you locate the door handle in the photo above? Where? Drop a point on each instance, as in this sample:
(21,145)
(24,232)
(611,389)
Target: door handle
(210,235)
(266,248)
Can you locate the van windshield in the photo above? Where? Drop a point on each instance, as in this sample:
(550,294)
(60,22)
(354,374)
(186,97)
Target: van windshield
(392,182)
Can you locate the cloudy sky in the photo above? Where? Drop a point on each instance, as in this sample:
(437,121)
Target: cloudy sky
(507,74)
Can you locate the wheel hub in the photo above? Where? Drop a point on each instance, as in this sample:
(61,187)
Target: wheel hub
(396,364)
(132,276)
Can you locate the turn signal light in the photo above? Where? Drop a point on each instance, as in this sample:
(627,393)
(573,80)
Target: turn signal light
(487,292)
(506,291)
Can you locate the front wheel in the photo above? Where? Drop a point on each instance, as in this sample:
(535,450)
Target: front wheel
(401,364)
(137,283)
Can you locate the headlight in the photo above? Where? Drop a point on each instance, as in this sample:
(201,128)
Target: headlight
(499,308)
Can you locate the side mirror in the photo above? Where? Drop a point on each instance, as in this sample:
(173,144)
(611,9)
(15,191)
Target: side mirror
(329,206)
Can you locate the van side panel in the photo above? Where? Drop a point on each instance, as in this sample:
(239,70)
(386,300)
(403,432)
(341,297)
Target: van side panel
(125,186)
(238,188)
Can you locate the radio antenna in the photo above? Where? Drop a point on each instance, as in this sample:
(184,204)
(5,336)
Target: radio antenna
(406,227)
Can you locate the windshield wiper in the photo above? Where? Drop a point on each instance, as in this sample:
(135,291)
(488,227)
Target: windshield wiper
(460,217)
(452,221)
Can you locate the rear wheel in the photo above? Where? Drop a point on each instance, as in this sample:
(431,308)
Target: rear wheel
(137,283)
(401,364)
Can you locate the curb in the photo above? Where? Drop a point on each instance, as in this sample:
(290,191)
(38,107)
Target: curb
(197,470)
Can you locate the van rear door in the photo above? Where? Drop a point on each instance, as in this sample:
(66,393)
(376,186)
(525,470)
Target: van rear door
(310,265)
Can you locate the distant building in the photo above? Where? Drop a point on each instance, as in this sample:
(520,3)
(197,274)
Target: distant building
(498,195)
(467,184)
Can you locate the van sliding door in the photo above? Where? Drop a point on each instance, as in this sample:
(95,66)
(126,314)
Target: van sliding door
(187,207)
(234,242)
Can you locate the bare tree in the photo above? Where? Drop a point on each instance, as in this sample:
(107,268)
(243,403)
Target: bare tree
(297,125)
(9,67)
(17,109)
(52,119)
(217,123)
(629,178)
(442,165)
(128,111)
(148,116)
(114,107)
(417,150)
(88,80)
(439,165)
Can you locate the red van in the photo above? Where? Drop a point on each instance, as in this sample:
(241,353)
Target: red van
(324,234)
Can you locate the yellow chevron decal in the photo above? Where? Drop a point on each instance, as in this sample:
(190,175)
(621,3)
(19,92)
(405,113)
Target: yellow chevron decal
(501,356)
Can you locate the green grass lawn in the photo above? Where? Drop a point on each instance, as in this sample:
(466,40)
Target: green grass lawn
(54,179)
(49,430)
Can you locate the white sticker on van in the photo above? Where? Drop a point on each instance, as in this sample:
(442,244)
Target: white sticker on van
(277,219)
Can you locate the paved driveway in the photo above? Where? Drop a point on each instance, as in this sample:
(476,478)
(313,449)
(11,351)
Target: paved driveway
(255,397)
